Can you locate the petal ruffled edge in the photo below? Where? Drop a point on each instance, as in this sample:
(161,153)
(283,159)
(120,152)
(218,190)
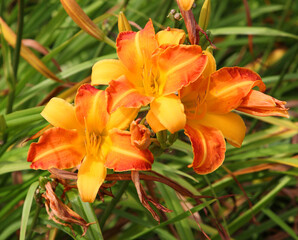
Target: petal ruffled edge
(57,148)
(208,146)
(229,86)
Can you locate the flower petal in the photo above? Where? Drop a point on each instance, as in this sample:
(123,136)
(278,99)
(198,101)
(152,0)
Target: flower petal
(209,148)
(122,118)
(106,70)
(173,36)
(122,93)
(231,125)
(60,113)
(91,175)
(260,104)
(140,135)
(179,65)
(57,148)
(228,87)
(169,111)
(91,108)
(154,122)
(123,156)
(135,48)
(185,4)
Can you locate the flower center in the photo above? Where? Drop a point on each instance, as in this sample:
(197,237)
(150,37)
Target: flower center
(92,143)
(150,80)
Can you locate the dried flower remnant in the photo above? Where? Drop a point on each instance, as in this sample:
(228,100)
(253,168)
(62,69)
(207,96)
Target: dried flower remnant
(88,137)
(150,70)
(56,209)
(209,103)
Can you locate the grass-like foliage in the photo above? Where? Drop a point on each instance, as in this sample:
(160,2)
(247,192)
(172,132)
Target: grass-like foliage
(253,195)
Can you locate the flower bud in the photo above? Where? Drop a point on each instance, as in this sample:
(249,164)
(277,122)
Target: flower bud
(185,4)
(205,15)
(140,135)
(123,24)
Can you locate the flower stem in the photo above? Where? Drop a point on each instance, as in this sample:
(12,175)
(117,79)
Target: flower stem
(113,203)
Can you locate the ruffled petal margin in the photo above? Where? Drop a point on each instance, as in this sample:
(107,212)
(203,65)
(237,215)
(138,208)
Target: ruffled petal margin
(179,65)
(229,86)
(57,148)
(208,146)
(123,156)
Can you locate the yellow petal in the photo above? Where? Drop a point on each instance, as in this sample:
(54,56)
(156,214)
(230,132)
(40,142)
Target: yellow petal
(185,4)
(211,65)
(80,17)
(169,112)
(106,70)
(171,36)
(123,24)
(91,175)
(122,118)
(60,113)
(231,125)
(26,53)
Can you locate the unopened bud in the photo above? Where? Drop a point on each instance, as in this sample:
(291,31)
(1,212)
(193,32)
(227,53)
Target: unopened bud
(123,24)
(205,15)
(185,4)
(177,16)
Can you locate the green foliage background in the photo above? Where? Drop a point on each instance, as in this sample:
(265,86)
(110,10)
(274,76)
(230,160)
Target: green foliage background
(269,140)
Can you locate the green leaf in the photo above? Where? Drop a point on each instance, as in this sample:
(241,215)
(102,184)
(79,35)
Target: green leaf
(7,167)
(27,208)
(263,31)
(280,222)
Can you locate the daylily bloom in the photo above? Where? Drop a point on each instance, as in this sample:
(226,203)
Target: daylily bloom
(208,103)
(88,137)
(150,70)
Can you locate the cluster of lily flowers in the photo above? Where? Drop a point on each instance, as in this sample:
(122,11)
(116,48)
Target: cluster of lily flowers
(182,90)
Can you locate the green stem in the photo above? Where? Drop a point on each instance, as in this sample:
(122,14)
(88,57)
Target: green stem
(113,203)
(35,217)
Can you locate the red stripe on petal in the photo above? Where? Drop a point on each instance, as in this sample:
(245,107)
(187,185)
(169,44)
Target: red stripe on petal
(208,146)
(123,156)
(57,148)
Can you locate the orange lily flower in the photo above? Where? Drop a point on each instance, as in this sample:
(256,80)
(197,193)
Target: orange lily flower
(150,70)
(86,135)
(208,104)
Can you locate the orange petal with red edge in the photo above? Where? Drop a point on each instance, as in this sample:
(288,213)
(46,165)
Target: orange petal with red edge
(169,112)
(60,113)
(122,118)
(173,36)
(91,175)
(57,148)
(123,156)
(179,65)
(229,86)
(91,110)
(134,48)
(106,70)
(121,93)
(208,146)
(140,135)
(260,104)
(231,125)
